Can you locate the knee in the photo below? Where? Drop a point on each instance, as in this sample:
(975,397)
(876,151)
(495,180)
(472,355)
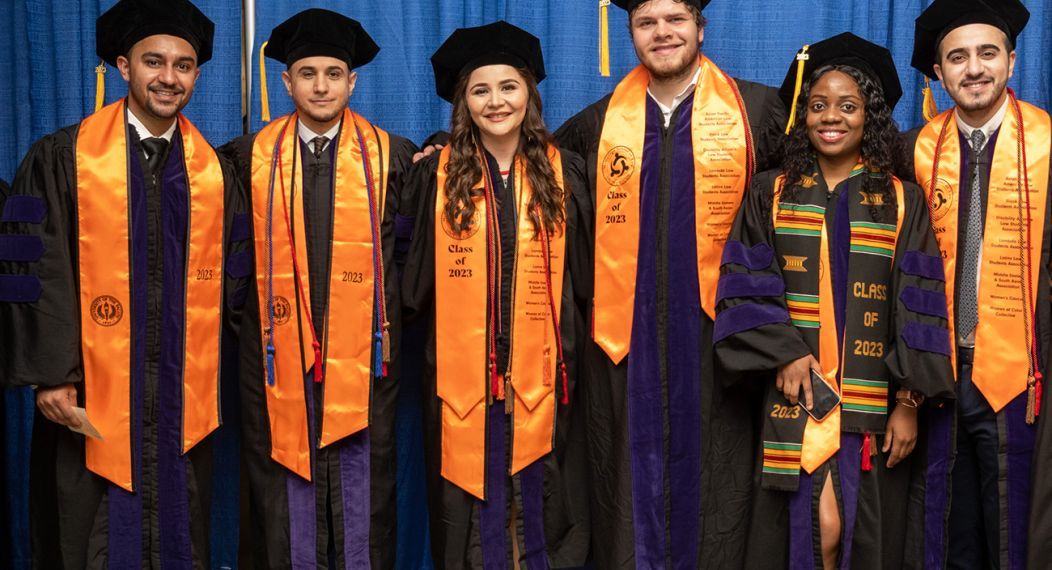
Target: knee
(829,525)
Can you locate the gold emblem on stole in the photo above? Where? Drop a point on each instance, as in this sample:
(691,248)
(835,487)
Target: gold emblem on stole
(795,263)
(872,199)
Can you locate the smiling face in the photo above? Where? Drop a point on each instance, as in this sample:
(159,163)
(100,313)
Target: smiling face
(496,98)
(975,64)
(161,72)
(835,116)
(319,87)
(667,38)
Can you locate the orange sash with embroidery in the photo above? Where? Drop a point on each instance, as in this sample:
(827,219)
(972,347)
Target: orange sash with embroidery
(347,341)
(822,439)
(1002,368)
(723,163)
(461,296)
(103,236)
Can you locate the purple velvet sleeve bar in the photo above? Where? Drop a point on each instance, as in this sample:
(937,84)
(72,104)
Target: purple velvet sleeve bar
(755,258)
(736,285)
(24,209)
(22,248)
(932,303)
(921,265)
(740,318)
(928,338)
(241,227)
(20,289)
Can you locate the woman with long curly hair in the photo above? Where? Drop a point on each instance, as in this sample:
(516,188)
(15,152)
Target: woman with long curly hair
(492,264)
(831,295)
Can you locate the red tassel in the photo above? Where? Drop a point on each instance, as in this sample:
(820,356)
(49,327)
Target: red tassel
(566,387)
(867,444)
(494,378)
(1037,394)
(385,370)
(317,362)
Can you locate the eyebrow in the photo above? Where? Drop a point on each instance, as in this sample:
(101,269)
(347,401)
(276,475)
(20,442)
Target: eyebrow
(964,50)
(160,55)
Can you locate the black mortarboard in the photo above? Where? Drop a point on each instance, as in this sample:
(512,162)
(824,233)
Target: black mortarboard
(130,21)
(844,49)
(321,32)
(944,16)
(630,5)
(468,49)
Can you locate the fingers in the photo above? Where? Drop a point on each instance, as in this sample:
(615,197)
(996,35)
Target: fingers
(791,389)
(809,400)
(56,404)
(900,449)
(888,438)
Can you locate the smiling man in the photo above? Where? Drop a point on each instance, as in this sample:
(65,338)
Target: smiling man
(320,333)
(111,255)
(973,160)
(670,433)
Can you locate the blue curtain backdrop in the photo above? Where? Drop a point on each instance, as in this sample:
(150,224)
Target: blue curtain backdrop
(46,81)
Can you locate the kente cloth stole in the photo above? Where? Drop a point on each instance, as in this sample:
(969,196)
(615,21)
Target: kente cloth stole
(351,353)
(855,368)
(724,161)
(104,273)
(1005,363)
(462,334)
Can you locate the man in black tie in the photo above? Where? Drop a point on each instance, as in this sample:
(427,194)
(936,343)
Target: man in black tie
(111,306)
(320,334)
(975,161)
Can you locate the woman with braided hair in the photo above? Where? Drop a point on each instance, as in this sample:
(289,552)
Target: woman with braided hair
(832,294)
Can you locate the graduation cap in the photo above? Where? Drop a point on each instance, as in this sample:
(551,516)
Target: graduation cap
(317,32)
(843,49)
(944,16)
(468,49)
(630,5)
(130,21)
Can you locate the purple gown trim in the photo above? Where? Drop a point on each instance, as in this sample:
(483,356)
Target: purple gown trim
(303,532)
(493,512)
(354,483)
(531,480)
(937,485)
(173,501)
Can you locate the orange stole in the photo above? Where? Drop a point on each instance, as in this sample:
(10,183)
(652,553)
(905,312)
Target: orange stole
(105,288)
(461,295)
(723,164)
(822,439)
(1001,365)
(347,340)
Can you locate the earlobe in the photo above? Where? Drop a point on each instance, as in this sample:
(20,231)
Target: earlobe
(287,80)
(938,71)
(122,66)
(1011,64)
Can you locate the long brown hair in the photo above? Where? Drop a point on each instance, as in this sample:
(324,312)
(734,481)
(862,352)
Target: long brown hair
(465,167)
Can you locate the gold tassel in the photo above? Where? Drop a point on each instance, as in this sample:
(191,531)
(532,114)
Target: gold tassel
(1031,400)
(507,396)
(264,100)
(928,108)
(801,62)
(385,343)
(604,38)
(100,85)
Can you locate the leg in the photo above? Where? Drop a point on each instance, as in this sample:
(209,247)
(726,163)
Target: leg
(829,524)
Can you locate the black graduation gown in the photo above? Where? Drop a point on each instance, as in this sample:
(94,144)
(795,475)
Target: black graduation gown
(895,511)
(705,431)
(456,528)
(1027,495)
(78,519)
(269,524)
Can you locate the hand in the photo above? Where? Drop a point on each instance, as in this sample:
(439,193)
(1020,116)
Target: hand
(57,403)
(900,435)
(427,151)
(796,375)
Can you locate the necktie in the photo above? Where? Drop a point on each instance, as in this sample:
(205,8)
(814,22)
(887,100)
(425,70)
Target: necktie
(154,147)
(969,291)
(319,145)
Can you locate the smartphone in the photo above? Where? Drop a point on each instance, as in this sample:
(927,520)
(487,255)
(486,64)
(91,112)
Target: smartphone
(824,398)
